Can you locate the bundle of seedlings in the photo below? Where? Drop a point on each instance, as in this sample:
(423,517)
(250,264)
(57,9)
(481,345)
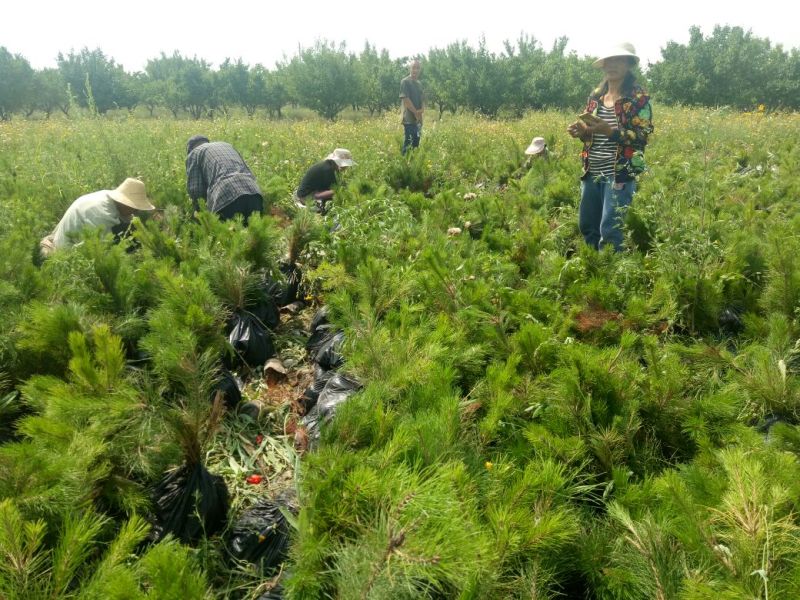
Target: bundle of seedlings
(189,501)
(261,533)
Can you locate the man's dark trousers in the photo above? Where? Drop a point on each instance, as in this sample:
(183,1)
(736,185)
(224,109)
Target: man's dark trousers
(411,136)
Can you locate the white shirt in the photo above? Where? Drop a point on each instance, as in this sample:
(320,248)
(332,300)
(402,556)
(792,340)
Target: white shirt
(91,210)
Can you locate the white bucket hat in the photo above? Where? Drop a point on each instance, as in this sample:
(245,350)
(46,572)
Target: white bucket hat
(341,157)
(624,49)
(131,192)
(537,146)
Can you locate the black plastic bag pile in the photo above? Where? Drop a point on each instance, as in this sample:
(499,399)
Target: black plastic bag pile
(250,340)
(328,356)
(228,386)
(330,388)
(261,534)
(325,342)
(267,306)
(337,390)
(292,291)
(190,503)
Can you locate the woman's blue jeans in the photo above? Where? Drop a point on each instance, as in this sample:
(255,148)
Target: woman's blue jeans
(602,210)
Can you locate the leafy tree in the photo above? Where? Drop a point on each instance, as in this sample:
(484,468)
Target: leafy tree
(445,82)
(149,92)
(95,79)
(379,80)
(49,93)
(233,81)
(163,81)
(521,63)
(324,78)
(276,91)
(17,79)
(196,86)
(729,67)
(487,84)
(184,83)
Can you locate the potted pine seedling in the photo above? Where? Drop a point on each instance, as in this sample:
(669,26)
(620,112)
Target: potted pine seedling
(253,309)
(190,502)
(299,234)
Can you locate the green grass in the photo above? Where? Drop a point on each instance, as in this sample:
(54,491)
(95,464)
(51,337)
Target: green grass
(538,420)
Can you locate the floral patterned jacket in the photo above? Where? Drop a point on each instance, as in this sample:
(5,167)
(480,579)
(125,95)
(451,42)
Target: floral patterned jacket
(634,124)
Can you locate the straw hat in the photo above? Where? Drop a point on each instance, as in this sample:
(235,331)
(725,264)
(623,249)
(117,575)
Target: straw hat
(131,193)
(341,157)
(624,49)
(537,146)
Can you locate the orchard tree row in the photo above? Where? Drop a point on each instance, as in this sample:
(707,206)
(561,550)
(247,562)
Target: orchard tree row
(729,67)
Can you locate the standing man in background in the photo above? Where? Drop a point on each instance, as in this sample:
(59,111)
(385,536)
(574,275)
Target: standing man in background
(411,96)
(217,172)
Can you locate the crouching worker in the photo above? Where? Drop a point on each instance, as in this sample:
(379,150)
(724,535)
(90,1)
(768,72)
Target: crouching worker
(217,172)
(108,209)
(316,187)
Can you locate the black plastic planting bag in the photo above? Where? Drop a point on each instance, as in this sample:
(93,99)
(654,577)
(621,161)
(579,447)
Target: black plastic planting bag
(293,275)
(261,535)
(336,391)
(311,395)
(320,329)
(318,337)
(267,308)
(251,342)
(327,355)
(320,318)
(229,388)
(730,322)
(190,503)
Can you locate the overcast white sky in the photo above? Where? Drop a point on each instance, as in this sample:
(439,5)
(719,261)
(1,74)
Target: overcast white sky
(263,31)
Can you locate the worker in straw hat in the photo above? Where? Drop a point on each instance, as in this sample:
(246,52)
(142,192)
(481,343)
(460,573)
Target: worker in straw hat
(614,129)
(105,208)
(317,184)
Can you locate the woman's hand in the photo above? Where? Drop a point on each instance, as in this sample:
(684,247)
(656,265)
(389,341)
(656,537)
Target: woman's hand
(577,129)
(601,127)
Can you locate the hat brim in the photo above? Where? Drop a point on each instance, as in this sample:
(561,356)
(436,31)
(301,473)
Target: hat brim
(344,162)
(121,198)
(535,149)
(598,64)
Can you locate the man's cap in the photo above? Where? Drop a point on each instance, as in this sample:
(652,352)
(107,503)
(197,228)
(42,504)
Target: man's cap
(194,142)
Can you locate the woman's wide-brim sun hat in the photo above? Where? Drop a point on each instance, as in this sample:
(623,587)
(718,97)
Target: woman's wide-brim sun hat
(537,146)
(624,49)
(131,192)
(341,157)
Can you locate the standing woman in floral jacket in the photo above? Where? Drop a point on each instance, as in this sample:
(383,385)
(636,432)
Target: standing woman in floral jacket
(614,134)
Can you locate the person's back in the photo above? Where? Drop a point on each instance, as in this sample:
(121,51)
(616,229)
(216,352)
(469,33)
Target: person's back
(96,209)
(105,208)
(320,177)
(217,172)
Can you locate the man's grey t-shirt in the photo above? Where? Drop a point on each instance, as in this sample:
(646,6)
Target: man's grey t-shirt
(411,89)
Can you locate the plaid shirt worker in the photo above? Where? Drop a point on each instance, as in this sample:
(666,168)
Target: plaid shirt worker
(217,172)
